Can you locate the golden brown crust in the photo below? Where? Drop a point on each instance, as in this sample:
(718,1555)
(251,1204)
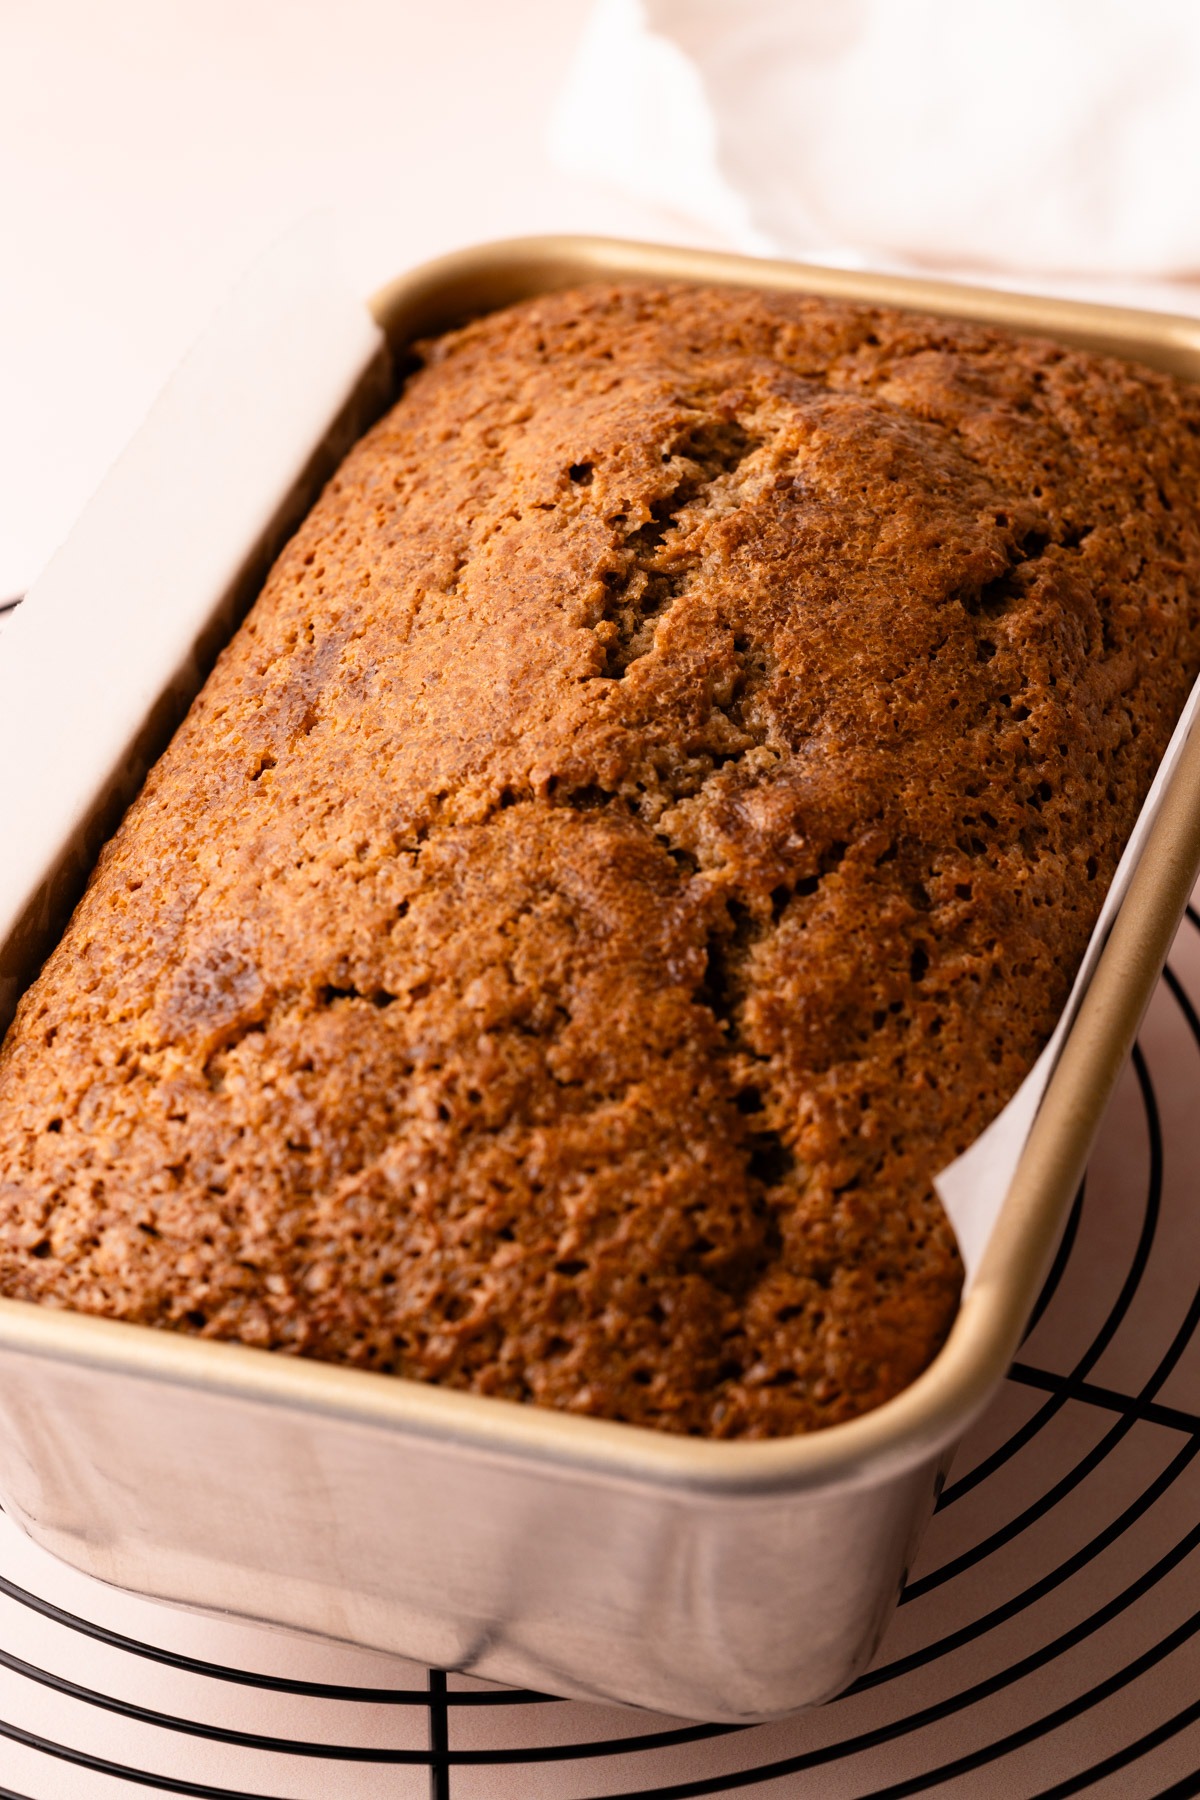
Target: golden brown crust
(645,828)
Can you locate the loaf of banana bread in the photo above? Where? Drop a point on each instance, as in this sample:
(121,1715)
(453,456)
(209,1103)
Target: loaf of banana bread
(645,828)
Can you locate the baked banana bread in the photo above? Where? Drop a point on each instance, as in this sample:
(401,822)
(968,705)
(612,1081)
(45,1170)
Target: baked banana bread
(645,828)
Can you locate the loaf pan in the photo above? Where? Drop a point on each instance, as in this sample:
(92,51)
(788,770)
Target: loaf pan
(713,1581)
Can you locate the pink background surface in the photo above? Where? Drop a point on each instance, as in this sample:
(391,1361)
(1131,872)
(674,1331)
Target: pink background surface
(146,155)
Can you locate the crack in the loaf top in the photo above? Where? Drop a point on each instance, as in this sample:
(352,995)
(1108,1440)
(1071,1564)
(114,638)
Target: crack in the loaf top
(653,572)
(998,596)
(770,1161)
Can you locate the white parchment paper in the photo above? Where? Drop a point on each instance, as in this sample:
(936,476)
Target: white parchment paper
(114,622)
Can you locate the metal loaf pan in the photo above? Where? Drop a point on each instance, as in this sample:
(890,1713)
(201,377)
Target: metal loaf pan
(712,1581)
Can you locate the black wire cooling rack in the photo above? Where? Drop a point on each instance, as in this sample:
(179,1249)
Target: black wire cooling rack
(1048,1643)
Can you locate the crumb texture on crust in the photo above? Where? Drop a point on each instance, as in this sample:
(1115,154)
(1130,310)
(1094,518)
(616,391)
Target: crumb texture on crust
(646,826)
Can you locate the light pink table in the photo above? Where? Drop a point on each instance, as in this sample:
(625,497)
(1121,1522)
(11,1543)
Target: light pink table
(1049,1641)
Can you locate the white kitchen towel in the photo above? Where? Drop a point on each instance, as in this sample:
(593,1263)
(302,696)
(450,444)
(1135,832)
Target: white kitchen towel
(1053,136)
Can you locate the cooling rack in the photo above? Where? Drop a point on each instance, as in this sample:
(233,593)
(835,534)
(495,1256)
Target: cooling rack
(1048,1641)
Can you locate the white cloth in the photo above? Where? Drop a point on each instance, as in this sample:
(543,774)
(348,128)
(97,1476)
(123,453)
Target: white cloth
(1051,136)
